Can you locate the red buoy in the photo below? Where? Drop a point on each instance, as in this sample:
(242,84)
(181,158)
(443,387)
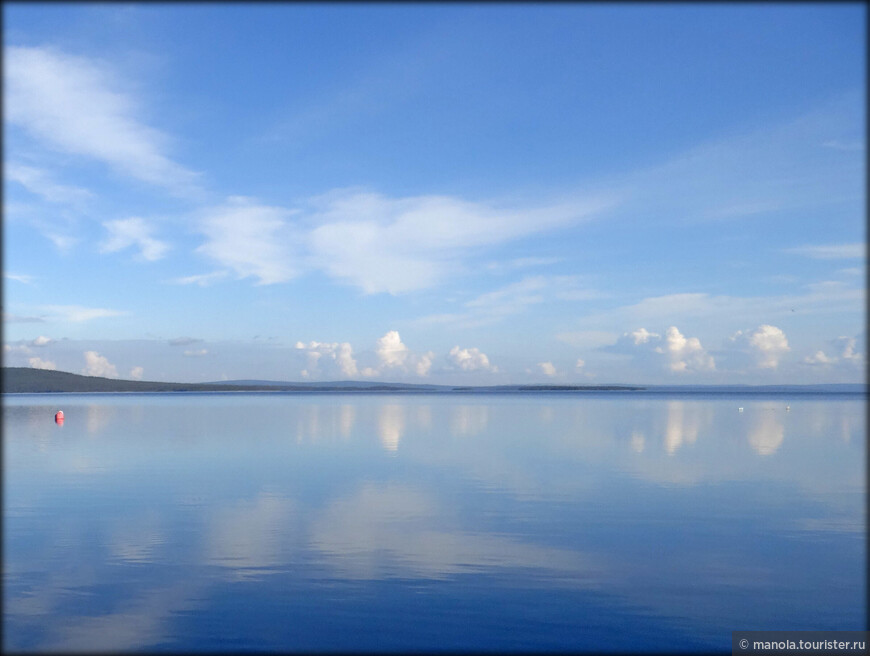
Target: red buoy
(58,418)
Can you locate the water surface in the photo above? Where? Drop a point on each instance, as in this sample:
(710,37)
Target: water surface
(548,522)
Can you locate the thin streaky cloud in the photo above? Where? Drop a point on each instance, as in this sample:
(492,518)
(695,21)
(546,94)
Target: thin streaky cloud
(515,298)
(831,251)
(404,244)
(17,318)
(124,233)
(845,145)
(39,182)
(75,104)
(202,279)
(523,263)
(19,277)
(828,297)
(77,313)
(252,239)
(769,170)
(364,239)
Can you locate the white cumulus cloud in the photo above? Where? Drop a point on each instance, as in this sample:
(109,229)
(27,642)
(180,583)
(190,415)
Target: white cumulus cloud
(847,349)
(674,352)
(686,354)
(819,357)
(339,354)
(846,353)
(136,373)
(470,359)
(547,368)
(767,344)
(393,354)
(391,351)
(642,336)
(423,363)
(39,363)
(41,341)
(98,365)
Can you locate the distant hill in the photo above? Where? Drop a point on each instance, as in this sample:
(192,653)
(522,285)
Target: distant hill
(25,380)
(824,388)
(336,384)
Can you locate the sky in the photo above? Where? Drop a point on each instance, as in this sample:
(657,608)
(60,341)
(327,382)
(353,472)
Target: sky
(472,194)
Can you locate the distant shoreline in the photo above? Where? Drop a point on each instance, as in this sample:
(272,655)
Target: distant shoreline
(22,380)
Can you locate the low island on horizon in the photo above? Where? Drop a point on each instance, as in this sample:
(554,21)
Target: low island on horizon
(24,380)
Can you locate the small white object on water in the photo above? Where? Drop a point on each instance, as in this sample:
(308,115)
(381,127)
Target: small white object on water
(739,409)
(788,408)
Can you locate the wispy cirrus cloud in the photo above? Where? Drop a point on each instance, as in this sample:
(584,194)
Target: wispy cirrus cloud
(76,313)
(78,105)
(831,251)
(39,182)
(18,318)
(771,169)
(838,144)
(251,239)
(522,263)
(368,240)
(202,279)
(396,245)
(124,233)
(823,297)
(18,277)
(515,298)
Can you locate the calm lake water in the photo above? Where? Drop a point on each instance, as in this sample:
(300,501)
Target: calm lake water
(547,522)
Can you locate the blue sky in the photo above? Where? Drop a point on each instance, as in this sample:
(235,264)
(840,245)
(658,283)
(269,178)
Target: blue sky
(468,194)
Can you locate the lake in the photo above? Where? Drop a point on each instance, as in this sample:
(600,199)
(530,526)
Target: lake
(367,522)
